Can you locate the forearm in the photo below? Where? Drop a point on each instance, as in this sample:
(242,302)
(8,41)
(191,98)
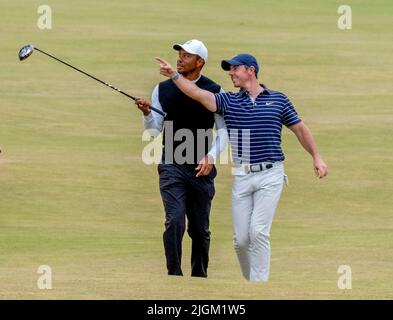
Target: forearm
(153,122)
(152,125)
(220,143)
(307,140)
(189,88)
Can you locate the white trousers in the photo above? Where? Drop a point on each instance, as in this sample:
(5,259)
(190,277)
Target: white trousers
(254,201)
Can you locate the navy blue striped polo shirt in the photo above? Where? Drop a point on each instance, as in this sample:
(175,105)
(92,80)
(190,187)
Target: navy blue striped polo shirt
(254,128)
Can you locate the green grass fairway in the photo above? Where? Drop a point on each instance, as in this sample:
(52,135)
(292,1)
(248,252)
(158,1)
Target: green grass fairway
(75,194)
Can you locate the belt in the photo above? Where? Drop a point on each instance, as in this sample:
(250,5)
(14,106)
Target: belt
(260,167)
(242,169)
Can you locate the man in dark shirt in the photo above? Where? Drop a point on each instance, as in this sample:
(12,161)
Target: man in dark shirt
(186,178)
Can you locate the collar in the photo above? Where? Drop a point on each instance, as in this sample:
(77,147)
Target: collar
(197,79)
(266,90)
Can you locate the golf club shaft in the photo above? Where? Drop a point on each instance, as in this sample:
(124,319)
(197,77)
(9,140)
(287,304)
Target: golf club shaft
(103,82)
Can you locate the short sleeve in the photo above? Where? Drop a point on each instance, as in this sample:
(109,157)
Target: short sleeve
(289,116)
(222,102)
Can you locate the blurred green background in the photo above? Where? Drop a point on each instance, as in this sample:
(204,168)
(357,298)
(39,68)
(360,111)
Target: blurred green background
(76,195)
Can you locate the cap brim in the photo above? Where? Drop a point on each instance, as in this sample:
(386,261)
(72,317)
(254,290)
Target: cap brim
(226,64)
(178,47)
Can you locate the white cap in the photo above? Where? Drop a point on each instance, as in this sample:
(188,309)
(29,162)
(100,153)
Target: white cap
(193,47)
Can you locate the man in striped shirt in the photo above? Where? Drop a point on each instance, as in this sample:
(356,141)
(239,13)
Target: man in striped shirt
(254,117)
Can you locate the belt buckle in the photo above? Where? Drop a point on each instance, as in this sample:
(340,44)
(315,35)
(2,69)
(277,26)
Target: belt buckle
(259,166)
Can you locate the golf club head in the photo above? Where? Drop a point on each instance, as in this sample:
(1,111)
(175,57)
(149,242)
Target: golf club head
(25,52)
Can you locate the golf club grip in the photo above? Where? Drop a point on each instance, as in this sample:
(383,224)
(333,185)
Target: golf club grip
(103,82)
(152,108)
(159,111)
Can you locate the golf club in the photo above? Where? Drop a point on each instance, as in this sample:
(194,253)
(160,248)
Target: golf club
(26,52)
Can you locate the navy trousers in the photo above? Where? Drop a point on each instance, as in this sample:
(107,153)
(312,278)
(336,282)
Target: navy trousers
(185,195)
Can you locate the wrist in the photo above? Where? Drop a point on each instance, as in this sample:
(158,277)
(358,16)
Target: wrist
(316,155)
(146,112)
(317,158)
(175,76)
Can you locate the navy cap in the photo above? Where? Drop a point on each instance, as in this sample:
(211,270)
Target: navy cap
(241,59)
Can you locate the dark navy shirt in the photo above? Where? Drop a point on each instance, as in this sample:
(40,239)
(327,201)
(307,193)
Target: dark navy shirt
(254,127)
